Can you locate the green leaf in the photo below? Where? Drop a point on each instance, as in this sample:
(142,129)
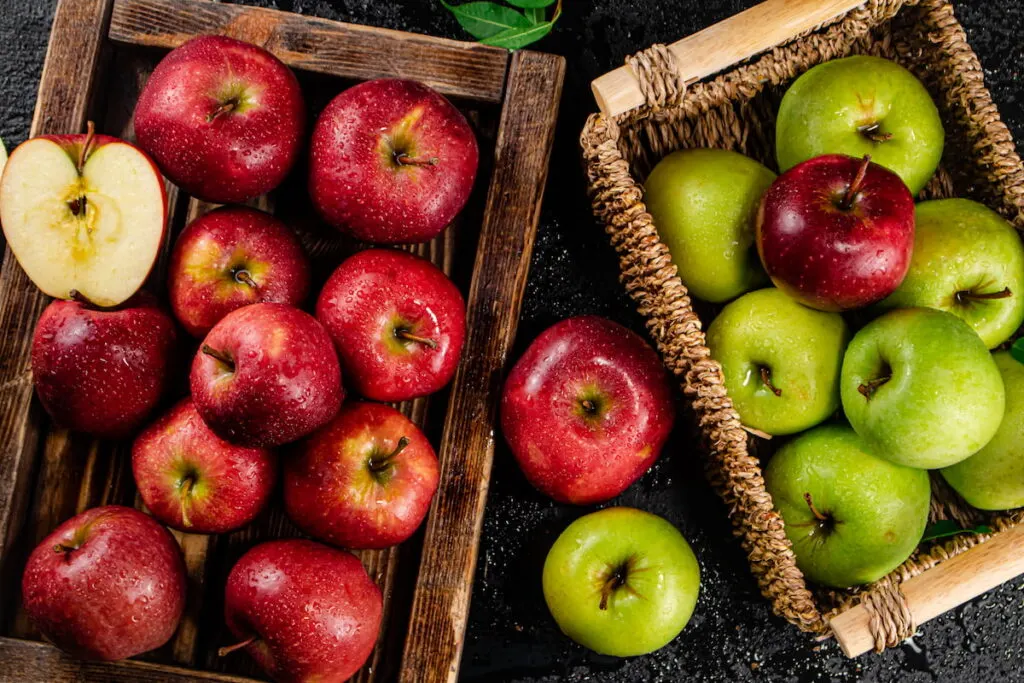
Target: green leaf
(947,527)
(535,15)
(485,19)
(1017,350)
(515,38)
(531,4)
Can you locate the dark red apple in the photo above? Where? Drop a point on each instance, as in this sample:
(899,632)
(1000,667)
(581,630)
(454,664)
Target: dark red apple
(192,480)
(397,321)
(836,233)
(266,374)
(223,119)
(107,584)
(391,161)
(303,611)
(364,481)
(102,370)
(586,410)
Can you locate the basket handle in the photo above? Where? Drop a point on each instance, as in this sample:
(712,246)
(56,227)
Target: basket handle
(718,47)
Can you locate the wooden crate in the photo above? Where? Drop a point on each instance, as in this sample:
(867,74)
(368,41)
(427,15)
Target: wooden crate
(100,54)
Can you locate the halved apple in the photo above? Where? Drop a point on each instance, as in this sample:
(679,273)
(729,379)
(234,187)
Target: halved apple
(83,213)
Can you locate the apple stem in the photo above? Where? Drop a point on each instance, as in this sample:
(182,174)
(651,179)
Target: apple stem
(874,133)
(228,649)
(186,500)
(403,159)
(615,580)
(766,379)
(867,389)
(244,277)
(381,464)
(224,108)
(219,355)
(814,511)
(83,153)
(589,406)
(988,296)
(858,180)
(409,336)
(66,549)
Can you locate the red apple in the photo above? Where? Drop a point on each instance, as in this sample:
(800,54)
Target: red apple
(303,611)
(391,161)
(192,480)
(232,257)
(223,119)
(397,321)
(102,370)
(836,233)
(266,374)
(586,410)
(364,481)
(107,584)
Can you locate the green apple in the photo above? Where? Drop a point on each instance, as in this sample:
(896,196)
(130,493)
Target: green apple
(621,581)
(704,203)
(852,517)
(780,360)
(968,260)
(921,388)
(862,105)
(993,478)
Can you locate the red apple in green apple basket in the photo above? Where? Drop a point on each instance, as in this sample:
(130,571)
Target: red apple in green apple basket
(106,584)
(836,233)
(223,119)
(232,257)
(266,374)
(83,213)
(102,370)
(304,611)
(192,480)
(364,481)
(391,161)
(586,410)
(397,321)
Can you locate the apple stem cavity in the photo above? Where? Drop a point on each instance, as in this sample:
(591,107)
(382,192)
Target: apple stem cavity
(966,296)
(616,579)
(851,192)
(242,275)
(868,389)
(766,379)
(228,649)
(379,464)
(402,333)
(403,159)
(220,356)
(873,132)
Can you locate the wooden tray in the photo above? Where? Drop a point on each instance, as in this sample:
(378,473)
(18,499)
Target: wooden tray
(100,54)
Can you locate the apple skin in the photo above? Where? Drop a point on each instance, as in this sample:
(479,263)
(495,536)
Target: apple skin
(373,297)
(704,202)
(241,152)
(333,493)
(827,256)
(192,480)
(828,107)
(232,257)
(117,591)
(635,564)
(359,184)
(800,349)
(871,513)
(586,410)
(963,253)
(282,382)
(102,371)
(314,611)
(920,387)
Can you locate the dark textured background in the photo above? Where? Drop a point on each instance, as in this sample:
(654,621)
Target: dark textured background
(732,636)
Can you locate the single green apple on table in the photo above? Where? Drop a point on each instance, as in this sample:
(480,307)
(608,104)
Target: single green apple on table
(968,260)
(704,202)
(780,360)
(920,387)
(862,105)
(621,581)
(852,517)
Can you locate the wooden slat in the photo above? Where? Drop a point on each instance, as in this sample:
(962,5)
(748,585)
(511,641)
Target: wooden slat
(454,68)
(440,608)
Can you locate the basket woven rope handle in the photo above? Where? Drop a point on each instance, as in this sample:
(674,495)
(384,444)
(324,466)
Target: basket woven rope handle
(718,47)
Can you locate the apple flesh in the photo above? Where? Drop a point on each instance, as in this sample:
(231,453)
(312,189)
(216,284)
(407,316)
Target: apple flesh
(3,157)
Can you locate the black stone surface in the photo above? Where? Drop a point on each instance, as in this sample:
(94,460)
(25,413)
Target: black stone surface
(732,636)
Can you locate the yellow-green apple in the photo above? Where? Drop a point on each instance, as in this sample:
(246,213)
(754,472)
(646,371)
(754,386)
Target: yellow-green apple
(365,480)
(920,387)
(304,611)
(836,233)
(223,118)
(192,480)
(266,374)
(621,582)
(968,260)
(232,257)
(780,360)
(391,161)
(862,105)
(586,410)
(851,516)
(106,584)
(102,370)
(704,204)
(397,322)
(83,213)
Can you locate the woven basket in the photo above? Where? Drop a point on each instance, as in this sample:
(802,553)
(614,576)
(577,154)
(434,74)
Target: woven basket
(736,110)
